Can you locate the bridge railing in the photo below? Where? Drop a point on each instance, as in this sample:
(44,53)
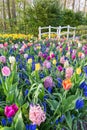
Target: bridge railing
(58,31)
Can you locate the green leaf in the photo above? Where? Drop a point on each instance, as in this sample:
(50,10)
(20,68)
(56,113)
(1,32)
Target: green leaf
(39,93)
(75,125)
(69,120)
(7,128)
(53,104)
(19,124)
(20,98)
(69,103)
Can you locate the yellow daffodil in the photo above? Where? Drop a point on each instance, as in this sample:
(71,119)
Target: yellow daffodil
(78,70)
(37,66)
(16,36)
(29,61)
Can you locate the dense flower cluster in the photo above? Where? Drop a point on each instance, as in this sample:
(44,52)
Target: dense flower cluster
(42,83)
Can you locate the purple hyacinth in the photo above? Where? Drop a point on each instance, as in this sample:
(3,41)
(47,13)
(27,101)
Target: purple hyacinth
(48,83)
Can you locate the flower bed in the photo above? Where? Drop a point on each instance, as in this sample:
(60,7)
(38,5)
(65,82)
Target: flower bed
(43,86)
(10,38)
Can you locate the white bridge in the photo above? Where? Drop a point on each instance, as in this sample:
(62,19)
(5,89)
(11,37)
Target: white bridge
(58,31)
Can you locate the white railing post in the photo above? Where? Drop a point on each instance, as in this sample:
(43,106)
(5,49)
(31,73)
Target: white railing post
(39,32)
(59,31)
(74,33)
(68,27)
(49,31)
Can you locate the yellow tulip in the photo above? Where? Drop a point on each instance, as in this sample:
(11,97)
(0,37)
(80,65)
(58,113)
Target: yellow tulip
(29,61)
(54,62)
(37,66)
(78,70)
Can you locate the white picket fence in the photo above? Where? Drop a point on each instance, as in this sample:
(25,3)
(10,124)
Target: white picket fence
(58,31)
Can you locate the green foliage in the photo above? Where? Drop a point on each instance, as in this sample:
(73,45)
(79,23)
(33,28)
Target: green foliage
(48,12)
(42,13)
(19,125)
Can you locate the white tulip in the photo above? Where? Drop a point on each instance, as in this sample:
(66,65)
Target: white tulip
(12,59)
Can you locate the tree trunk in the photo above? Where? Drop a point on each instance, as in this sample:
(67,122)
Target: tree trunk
(14,12)
(25,15)
(9,13)
(65,4)
(4,16)
(73,5)
(85,8)
(79,6)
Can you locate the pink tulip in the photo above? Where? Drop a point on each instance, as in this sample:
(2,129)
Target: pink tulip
(11,110)
(52,55)
(6,71)
(5,44)
(73,56)
(44,55)
(60,68)
(48,58)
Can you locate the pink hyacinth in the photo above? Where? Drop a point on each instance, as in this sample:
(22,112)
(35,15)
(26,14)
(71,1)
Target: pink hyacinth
(62,60)
(48,83)
(3,59)
(6,71)
(47,64)
(36,114)
(11,110)
(69,72)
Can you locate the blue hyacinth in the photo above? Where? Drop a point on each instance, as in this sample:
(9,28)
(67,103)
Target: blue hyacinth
(85,93)
(82,85)
(44,105)
(10,120)
(85,69)
(3,121)
(59,84)
(79,104)
(31,127)
(26,92)
(49,90)
(41,75)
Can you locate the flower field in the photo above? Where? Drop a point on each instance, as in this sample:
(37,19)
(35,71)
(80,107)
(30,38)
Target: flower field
(14,38)
(43,84)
